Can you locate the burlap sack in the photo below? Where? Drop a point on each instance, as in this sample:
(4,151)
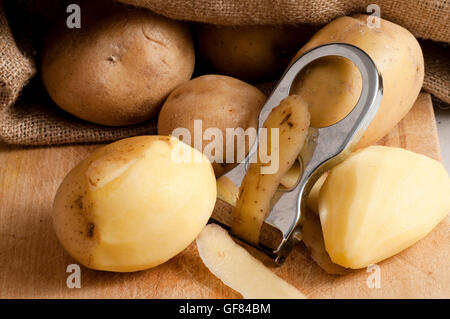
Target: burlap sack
(32,121)
(437,69)
(426,19)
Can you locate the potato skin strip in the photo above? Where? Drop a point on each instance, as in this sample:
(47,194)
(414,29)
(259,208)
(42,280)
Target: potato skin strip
(239,270)
(257,189)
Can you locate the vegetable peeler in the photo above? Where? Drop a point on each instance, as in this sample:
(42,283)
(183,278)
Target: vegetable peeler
(324,147)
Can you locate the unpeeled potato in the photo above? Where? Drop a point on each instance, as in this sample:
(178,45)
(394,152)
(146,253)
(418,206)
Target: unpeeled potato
(380,201)
(250,53)
(118,68)
(216,102)
(331,86)
(134,204)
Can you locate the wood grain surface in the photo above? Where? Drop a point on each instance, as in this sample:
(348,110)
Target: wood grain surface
(33,263)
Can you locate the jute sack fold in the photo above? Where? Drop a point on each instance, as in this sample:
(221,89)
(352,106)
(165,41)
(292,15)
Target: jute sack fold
(426,19)
(42,123)
(15,68)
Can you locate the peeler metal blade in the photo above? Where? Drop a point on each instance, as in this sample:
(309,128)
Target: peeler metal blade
(324,148)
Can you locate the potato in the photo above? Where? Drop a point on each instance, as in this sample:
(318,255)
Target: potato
(331,86)
(227,191)
(292,176)
(312,200)
(380,201)
(312,238)
(250,53)
(134,204)
(118,68)
(218,102)
(258,187)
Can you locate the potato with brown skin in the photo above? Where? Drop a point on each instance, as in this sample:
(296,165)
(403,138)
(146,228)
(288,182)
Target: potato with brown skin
(250,53)
(331,86)
(118,68)
(219,102)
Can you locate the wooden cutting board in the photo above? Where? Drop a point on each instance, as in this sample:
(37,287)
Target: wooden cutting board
(33,264)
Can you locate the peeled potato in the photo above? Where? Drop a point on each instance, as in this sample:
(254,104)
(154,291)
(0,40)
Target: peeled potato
(238,269)
(292,176)
(380,201)
(227,190)
(312,238)
(134,204)
(313,197)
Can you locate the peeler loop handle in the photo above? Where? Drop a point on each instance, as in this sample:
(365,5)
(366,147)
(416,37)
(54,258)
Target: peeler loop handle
(327,146)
